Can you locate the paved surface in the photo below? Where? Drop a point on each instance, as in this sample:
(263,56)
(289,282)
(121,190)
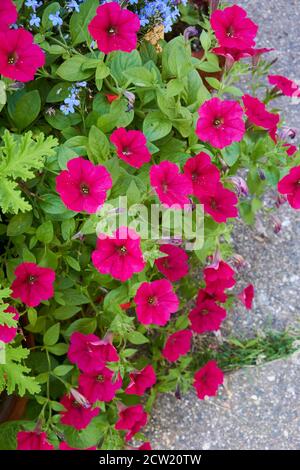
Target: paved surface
(260,408)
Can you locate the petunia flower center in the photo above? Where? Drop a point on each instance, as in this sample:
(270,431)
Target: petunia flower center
(204,311)
(112,30)
(127,152)
(100,378)
(84,189)
(165,187)
(213,204)
(230,32)
(123,250)
(31,279)
(12,58)
(218,122)
(152,300)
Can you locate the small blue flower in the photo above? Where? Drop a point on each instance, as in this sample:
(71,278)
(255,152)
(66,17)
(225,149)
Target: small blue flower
(35,20)
(55,19)
(72,5)
(34,4)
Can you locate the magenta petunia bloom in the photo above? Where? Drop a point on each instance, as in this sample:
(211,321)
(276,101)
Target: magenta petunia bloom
(285,85)
(206,316)
(220,122)
(131,419)
(208,379)
(155,302)
(120,255)
(100,387)
(140,381)
(90,353)
(8,333)
(114,28)
(237,54)
(233,28)
(220,203)
(290,185)
(83,186)
(131,147)
(33,284)
(145,446)
(247,296)
(76,414)
(170,185)
(202,174)
(19,57)
(259,116)
(217,296)
(174,266)
(178,344)
(33,440)
(290,149)
(8,14)
(65,446)
(219,279)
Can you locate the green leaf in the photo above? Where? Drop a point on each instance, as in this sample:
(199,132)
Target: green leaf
(231,154)
(67,229)
(73,263)
(24,108)
(3,97)
(72,69)
(88,437)
(62,370)
(19,224)
(59,349)
(50,10)
(213,82)
(45,232)
(84,325)
(98,144)
(156,126)
(66,312)
(52,334)
(140,76)
(8,434)
(123,62)
(58,93)
(137,338)
(79,21)
(205,40)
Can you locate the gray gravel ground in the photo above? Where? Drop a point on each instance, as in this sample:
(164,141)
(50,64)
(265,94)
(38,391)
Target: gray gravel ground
(259,408)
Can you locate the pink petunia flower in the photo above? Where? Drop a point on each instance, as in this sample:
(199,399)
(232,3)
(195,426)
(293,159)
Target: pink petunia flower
(145,446)
(120,255)
(208,379)
(90,353)
(131,419)
(220,203)
(259,116)
(206,316)
(233,28)
(8,333)
(237,54)
(285,85)
(75,414)
(169,184)
(65,446)
(100,387)
(290,149)
(83,186)
(174,266)
(140,381)
(8,14)
(178,344)
(131,147)
(19,57)
(220,122)
(290,185)
(114,28)
(33,284)
(247,296)
(155,302)
(202,174)
(33,440)
(217,280)
(203,295)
